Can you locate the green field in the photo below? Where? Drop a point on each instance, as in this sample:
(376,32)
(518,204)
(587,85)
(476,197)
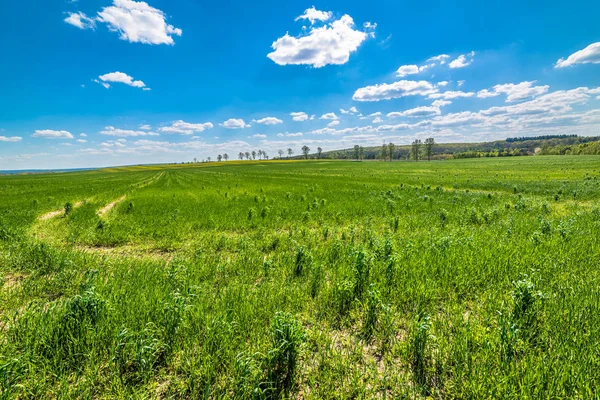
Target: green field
(475,278)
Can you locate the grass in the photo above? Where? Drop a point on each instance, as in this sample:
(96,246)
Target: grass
(472,278)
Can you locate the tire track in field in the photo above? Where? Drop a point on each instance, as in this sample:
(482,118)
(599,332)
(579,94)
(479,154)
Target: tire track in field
(106,209)
(56,213)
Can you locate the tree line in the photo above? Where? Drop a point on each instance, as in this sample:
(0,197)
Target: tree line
(418,150)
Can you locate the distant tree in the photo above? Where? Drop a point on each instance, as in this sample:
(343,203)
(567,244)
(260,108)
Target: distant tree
(384,152)
(416,149)
(290,152)
(264,153)
(241,155)
(305,151)
(226,156)
(219,158)
(208,158)
(319,151)
(357,152)
(391,150)
(429,145)
(361,152)
(280,153)
(195,160)
(259,154)
(253,155)
(247,154)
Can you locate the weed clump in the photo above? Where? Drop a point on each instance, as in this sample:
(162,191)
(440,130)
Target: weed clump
(287,337)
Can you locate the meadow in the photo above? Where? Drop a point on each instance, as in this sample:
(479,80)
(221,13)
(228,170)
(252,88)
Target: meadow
(473,278)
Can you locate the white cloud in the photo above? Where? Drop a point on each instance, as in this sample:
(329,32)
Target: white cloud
(394,90)
(120,77)
(138,22)
(441,103)
(10,138)
(185,128)
(463,60)
(424,111)
(515,92)
(314,15)
(81,141)
(50,134)
(351,110)
(329,44)
(112,131)
(450,94)
(329,116)
(258,136)
(106,85)
(589,55)
(80,20)
(299,116)
(407,70)
(235,123)
(377,120)
(145,127)
(460,83)
(82,135)
(298,134)
(443,83)
(484,94)
(333,123)
(269,121)
(442,58)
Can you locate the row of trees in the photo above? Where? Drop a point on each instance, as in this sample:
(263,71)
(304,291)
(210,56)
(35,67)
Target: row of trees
(388,151)
(418,150)
(262,154)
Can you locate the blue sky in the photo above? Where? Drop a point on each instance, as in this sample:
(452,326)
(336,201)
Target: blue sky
(110,82)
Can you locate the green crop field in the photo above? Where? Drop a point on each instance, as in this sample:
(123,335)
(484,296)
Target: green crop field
(476,278)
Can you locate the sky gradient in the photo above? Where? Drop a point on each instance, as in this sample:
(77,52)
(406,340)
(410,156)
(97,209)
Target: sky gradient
(93,83)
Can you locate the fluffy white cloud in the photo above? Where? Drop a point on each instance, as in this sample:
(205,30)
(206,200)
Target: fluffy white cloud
(515,92)
(425,111)
(112,131)
(80,20)
(138,22)
(81,141)
(351,110)
(333,123)
(269,121)
(394,90)
(484,94)
(443,83)
(441,103)
(145,127)
(10,138)
(442,58)
(185,128)
(235,123)
(120,77)
(463,60)
(82,135)
(50,134)
(450,94)
(329,116)
(589,55)
(258,136)
(329,44)
(300,116)
(314,15)
(407,70)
